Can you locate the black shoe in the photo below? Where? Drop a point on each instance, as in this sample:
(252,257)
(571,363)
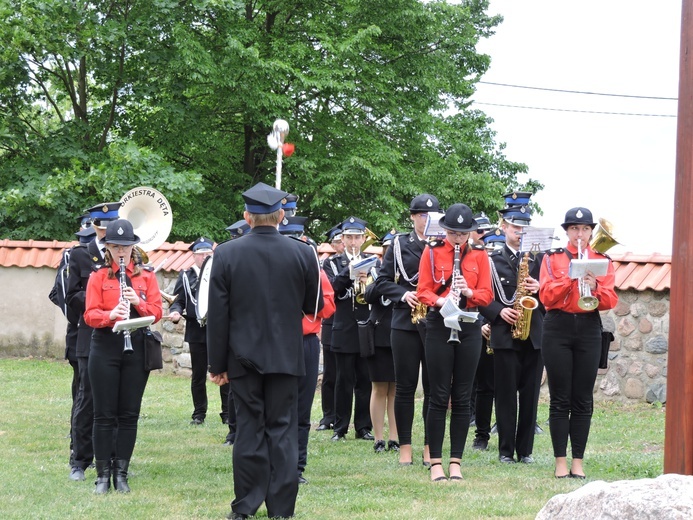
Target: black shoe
(196,421)
(379,446)
(77,474)
(365,434)
(230,439)
(506,460)
(575,475)
(480,444)
(322,427)
(537,429)
(103,477)
(120,475)
(392,446)
(527,459)
(302,479)
(236,516)
(338,437)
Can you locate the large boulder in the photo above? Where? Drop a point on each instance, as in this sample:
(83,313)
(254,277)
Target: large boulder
(668,497)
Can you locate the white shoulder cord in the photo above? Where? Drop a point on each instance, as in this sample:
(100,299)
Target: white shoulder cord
(188,290)
(498,286)
(413,280)
(317,297)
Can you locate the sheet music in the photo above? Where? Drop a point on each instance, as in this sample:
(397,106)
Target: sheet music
(578,268)
(433,228)
(536,235)
(362,266)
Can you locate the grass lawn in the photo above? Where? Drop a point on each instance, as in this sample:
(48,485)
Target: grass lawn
(180,471)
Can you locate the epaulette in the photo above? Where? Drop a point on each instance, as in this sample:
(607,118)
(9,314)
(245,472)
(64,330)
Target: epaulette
(297,239)
(435,243)
(555,250)
(603,254)
(478,247)
(495,252)
(148,267)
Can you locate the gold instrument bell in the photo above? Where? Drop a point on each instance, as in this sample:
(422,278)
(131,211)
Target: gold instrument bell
(603,239)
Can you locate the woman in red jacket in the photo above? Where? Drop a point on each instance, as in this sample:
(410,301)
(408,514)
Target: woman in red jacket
(572,339)
(118,379)
(451,366)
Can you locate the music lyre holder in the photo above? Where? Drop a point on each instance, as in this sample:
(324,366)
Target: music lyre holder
(133,323)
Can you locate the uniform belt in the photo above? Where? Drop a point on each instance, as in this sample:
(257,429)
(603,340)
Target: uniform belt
(589,314)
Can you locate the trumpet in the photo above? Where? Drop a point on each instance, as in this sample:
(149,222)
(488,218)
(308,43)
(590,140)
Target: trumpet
(168,298)
(587,302)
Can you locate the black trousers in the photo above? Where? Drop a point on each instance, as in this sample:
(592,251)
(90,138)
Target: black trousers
(516,398)
(74,389)
(353,386)
(265,455)
(306,394)
(83,419)
(409,356)
(198,385)
(484,394)
(571,347)
(451,369)
(117,381)
(329,375)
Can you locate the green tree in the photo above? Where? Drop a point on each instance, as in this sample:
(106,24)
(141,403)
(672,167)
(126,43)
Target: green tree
(180,95)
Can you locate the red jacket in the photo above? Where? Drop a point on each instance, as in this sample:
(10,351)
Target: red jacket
(475,269)
(103,294)
(559,292)
(311,325)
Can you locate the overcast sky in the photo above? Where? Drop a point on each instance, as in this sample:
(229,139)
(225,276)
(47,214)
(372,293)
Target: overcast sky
(621,167)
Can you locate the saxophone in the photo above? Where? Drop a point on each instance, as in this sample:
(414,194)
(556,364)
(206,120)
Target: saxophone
(524,303)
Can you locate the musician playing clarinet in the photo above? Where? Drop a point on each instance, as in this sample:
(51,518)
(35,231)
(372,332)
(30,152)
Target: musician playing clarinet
(118,378)
(451,269)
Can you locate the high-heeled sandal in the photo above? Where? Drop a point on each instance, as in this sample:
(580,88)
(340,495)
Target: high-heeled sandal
(455,477)
(438,479)
(426,463)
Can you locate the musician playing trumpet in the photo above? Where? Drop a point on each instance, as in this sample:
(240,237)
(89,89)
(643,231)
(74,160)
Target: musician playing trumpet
(118,380)
(515,334)
(451,366)
(573,339)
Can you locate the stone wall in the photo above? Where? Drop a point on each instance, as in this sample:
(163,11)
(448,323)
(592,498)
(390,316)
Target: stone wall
(638,356)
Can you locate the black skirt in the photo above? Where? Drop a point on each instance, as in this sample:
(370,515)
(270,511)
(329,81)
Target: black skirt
(381,368)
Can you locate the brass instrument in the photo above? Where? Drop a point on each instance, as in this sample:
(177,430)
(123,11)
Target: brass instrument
(587,302)
(168,298)
(603,238)
(127,346)
(371,238)
(360,290)
(524,303)
(150,215)
(418,313)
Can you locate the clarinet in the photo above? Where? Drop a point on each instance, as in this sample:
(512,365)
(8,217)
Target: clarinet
(454,292)
(127,347)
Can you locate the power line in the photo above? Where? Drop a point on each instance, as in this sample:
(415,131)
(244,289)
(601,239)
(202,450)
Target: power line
(577,91)
(578,111)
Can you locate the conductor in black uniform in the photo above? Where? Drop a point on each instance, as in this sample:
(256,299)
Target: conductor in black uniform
(255,342)
(84,260)
(516,361)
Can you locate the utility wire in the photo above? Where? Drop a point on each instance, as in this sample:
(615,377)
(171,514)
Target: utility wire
(578,92)
(578,111)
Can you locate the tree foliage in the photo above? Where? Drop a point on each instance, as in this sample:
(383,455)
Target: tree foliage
(97,97)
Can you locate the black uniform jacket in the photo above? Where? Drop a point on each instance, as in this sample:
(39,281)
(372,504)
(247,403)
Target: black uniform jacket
(501,332)
(381,315)
(260,286)
(185,305)
(84,260)
(392,283)
(326,331)
(345,334)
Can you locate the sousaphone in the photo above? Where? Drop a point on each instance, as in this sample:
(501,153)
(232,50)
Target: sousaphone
(202,299)
(150,215)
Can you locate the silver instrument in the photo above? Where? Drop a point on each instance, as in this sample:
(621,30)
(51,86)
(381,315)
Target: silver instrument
(455,293)
(127,347)
(587,302)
